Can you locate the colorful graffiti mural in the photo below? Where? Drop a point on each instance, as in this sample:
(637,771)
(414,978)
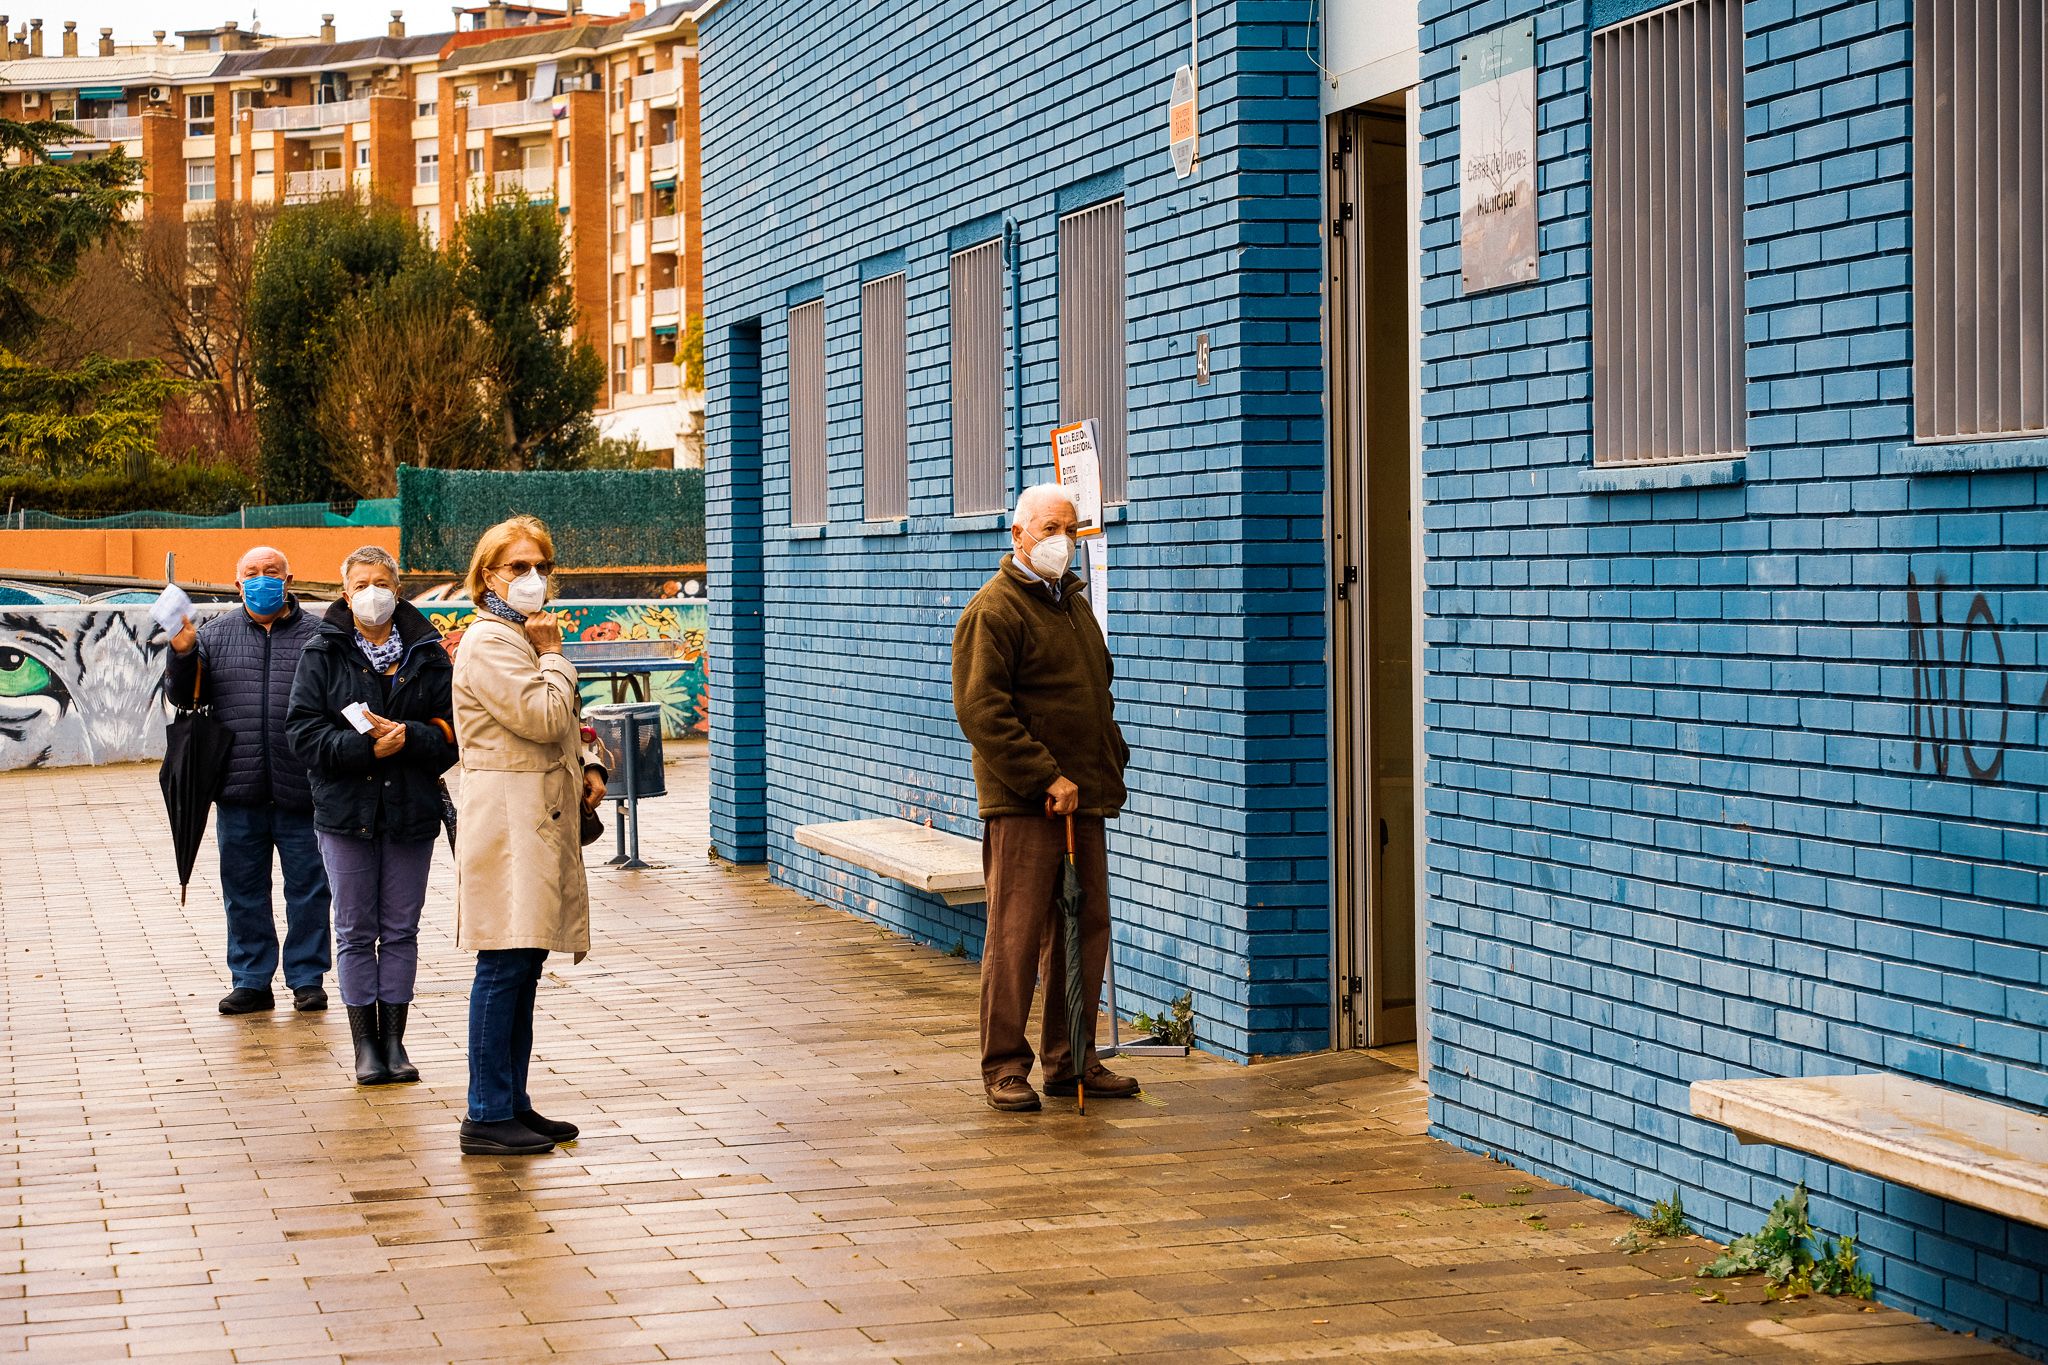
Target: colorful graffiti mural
(82,682)
(673,631)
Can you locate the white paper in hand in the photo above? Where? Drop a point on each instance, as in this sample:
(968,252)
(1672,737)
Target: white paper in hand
(173,608)
(358,715)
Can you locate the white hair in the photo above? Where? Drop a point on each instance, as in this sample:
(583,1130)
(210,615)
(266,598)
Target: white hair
(1031,498)
(370,554)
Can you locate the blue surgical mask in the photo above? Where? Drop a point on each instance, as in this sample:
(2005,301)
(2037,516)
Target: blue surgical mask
(263,594)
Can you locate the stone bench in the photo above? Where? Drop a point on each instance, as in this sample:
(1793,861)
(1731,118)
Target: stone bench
(922,858)
(1960,1147)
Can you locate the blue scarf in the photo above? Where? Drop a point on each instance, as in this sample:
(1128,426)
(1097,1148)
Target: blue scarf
(503,610)
(383,656)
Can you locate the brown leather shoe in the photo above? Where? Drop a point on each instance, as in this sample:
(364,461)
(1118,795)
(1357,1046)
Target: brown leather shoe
(1012,1095)
(1103,1084)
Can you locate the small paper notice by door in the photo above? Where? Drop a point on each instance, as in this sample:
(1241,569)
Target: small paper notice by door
(173,608)
(358,715)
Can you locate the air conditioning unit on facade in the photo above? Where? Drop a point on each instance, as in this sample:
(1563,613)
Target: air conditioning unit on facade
(393,72)
(31,99)
(507,77)
(271,85)
(158,94)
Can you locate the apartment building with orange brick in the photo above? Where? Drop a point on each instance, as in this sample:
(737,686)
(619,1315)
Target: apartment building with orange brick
(593,115)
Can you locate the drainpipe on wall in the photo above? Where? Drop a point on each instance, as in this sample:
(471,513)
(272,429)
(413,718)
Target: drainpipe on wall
(1013,248)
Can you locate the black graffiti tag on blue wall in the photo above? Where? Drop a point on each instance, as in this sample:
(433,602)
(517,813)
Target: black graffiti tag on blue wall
(1950,723)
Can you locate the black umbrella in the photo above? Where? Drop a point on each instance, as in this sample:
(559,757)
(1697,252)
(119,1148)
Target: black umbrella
(1080,1027)
(195,765)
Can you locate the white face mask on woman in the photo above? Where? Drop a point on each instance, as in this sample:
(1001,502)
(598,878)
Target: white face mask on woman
(528,593)
(1050,557)
(373,605)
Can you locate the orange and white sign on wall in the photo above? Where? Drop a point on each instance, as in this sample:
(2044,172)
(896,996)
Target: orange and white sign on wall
(1078,467)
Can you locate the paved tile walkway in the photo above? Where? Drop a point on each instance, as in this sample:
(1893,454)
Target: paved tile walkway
(785,1158)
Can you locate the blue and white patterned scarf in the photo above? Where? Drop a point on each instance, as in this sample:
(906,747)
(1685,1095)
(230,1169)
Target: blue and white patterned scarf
(503,610)
(382,657)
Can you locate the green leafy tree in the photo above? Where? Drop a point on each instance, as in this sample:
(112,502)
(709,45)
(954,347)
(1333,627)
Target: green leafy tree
(316,261)
(101,417)
(513,272)
(52,214)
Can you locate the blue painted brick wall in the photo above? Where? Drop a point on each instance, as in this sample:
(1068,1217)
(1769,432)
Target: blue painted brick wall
(1688,817)
(830,140)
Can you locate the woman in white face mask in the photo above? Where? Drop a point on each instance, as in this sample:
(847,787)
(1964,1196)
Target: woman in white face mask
(529,773)
(372,721)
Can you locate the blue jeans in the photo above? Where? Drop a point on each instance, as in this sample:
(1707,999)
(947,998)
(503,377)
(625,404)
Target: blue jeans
(247,835)
(501,1031)
(379,887)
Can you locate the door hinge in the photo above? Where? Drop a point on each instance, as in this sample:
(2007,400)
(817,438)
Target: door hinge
(1339,152)
(1345,213)
(1344,583)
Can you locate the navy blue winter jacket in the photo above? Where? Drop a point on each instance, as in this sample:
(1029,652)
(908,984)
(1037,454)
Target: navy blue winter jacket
(245,674)
(355,792)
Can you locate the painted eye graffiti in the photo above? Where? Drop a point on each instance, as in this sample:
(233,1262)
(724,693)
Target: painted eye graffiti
(22,676)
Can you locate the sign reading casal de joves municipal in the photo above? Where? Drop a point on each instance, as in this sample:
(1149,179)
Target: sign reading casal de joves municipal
(1497,157)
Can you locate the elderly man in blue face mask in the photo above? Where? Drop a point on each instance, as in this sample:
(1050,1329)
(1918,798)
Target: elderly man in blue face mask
(241,663)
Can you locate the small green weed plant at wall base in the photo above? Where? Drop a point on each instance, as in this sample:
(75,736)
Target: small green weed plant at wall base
(1794,1258)
(1176,1029)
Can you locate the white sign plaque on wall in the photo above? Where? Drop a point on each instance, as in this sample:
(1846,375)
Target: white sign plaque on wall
(1497,157)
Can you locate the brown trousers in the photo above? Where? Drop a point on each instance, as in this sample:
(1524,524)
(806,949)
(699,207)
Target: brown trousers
(1021,856)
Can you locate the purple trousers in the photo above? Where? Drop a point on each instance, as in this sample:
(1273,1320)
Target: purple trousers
(379,886)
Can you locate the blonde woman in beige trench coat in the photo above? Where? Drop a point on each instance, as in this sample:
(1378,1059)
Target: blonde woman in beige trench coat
(527,777)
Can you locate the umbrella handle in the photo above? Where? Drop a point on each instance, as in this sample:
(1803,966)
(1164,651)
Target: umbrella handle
(1070,838)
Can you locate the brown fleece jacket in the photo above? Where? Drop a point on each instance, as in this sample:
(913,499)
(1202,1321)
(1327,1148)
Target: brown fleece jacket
(1031,689)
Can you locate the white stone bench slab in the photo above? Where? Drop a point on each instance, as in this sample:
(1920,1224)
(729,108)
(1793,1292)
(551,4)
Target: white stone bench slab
(1974,1151)
(923,858)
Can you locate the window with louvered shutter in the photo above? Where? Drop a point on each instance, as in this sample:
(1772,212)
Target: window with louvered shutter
(885,453)
(1980,220)
(976,315)
(807,489)
(1667,235)
(1092,368)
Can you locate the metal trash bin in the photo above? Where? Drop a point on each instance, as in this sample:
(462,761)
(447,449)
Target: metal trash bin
(632,732)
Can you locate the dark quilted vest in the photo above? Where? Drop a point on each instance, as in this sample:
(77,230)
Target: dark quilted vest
(248,678)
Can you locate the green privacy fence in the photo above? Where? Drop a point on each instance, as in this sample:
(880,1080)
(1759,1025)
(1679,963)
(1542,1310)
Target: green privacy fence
(368,512)
(615,518)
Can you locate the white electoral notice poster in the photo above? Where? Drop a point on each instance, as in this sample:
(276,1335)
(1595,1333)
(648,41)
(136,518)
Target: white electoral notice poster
(1079,469)
(1497,157)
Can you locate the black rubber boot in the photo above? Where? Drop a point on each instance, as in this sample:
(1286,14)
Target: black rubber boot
(398,1067)
(362,1026)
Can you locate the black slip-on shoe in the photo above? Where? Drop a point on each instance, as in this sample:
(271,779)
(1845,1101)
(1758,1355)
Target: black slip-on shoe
(505,1137)
(248,1000)
(308,999)
(548,1128)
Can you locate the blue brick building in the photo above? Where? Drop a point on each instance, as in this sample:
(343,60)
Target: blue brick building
(1478,689)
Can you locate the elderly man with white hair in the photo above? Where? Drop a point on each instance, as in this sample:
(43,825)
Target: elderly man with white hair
(1031,675)
(241,663)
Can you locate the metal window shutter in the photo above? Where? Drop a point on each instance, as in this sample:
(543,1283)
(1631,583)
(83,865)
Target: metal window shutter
(977,379)
(1093,377)
(885,455)
(1667,235)
(1980,223)
(807,502)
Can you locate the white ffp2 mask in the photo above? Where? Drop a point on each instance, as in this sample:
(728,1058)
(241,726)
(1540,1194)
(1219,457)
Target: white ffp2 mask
(373,605)
(1050,557)
(527,593)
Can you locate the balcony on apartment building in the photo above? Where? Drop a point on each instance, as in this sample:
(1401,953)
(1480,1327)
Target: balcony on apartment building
(311,118)
(664,156)
(657,86)
(105,130)
(535,182)
(668,230)
(665,375)
(667,306)
(512,114)
(303,186)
